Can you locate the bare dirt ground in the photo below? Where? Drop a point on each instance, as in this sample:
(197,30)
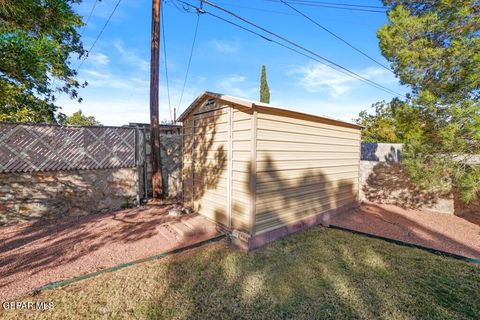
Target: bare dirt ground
(438,231)
(34,254)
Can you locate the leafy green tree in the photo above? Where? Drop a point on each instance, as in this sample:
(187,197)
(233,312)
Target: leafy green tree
(79,119)
(380,126)
(264,89)
(393,122)
(434,47)
(37,38)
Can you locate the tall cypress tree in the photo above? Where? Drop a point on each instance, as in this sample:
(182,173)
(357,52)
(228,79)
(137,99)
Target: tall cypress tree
(264,89)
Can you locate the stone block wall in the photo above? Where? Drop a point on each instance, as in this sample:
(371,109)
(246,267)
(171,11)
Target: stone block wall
(52,194)
(171,160)
(384,180)
(387,182)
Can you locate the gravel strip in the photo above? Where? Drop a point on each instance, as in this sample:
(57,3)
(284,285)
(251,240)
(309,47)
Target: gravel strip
(437,231)
(34,254)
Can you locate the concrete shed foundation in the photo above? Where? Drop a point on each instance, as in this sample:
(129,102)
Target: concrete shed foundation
(324,219)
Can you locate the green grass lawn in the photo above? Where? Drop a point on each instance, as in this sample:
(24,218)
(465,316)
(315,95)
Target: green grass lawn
(321,273)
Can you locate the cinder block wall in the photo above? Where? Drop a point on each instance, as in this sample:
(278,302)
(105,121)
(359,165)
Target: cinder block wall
(52,194)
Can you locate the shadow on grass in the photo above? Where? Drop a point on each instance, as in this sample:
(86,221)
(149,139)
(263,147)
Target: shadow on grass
(317,274)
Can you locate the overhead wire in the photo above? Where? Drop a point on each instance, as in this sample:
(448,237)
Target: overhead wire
(191,54)
(335,35)
(163,32)
(91,13)
(324,60)
(338,4)
(319,5)
(273,41)
(228,4)
(99,35)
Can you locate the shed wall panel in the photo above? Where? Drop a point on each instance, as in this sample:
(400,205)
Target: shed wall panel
(210,163)
(304,167)
(187,164)
(241,156)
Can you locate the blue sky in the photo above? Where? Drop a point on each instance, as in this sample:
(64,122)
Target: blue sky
(228,60)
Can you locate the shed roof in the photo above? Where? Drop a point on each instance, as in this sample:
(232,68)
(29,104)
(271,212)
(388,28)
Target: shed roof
(250,104)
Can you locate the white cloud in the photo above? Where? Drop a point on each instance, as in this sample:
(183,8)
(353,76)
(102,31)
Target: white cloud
(316,77)
(201,79)
(224,46)
(341,110)
(132,57)
(97,74)
(118,100)
(98,58)
(236,85)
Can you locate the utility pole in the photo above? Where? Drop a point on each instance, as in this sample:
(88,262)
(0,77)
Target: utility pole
(154,83)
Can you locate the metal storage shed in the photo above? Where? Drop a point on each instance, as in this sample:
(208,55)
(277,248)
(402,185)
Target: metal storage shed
(263,172)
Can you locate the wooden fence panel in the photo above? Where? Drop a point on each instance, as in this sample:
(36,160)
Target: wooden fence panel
(34,147)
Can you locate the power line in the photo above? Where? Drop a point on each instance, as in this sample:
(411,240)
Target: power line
(99,35)
(336,36)
(280,44)
(199,11)
(333,6)
(338,4)
(162,32)
(256,9)
(322,60)
(326,61)
(91,12)
(262,36)
(81,34)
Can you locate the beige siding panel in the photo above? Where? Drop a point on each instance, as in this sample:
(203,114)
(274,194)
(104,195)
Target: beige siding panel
(267,135)
(219,187)
(210,165)
(242,196)
(209,137)
(187,176)
(302,121)
(281,198)
(313,129)
(211,114)
(214,211)
(301,174)
(241,125)
(305,155)
(241,155)
(309,187)
(265,145)
(211,146)
(219,124)
(241,186)
(291,213)
(273,221)
(240,177)
(304,166)
(240,115)
(272,165)
(267,186)
(238,222)
(241,146)
(243,135)
(241,166)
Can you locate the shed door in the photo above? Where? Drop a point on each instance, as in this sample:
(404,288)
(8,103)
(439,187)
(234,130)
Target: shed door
(210,164)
